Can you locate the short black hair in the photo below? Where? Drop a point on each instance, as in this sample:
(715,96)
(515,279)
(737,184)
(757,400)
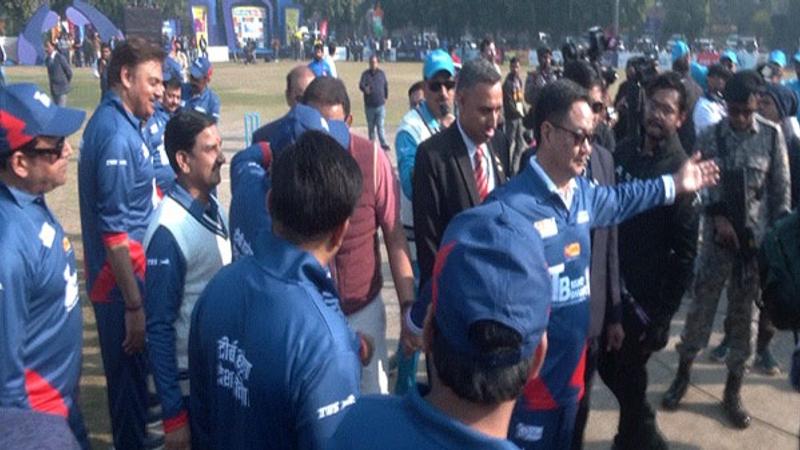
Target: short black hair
(315,187)
(473,381)
(719,71)
(173,83)
(513,61)
(582,73)
(669,80)
(743,85)
(485,43)
(130,53)
(181,133)
(554,102)
(544,50)
(327,91)
(418,86)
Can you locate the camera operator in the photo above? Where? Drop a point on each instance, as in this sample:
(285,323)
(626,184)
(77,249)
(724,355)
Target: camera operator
(630,98)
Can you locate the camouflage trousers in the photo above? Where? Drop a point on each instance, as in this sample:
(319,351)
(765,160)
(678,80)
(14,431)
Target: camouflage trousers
(716,267)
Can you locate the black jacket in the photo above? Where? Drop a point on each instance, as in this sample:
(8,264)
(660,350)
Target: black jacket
(657,248)
(444,185)
(59,73)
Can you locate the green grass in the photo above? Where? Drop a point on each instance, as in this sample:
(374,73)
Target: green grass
(242,89)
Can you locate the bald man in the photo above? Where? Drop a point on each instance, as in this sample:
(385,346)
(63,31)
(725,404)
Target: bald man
(296,82)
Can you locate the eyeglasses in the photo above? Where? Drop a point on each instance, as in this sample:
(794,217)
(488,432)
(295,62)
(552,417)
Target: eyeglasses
(578,137)
(436,86)
(57,151)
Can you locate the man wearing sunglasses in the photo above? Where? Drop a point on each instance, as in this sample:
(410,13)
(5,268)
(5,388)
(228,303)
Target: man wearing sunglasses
(755,193)
(656,253)
(433,114)
(40,318)
(564,207)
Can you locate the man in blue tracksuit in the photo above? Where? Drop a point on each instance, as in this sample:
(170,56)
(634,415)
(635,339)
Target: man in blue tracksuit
(40,316)
(186,244)
(154,130)
(272,363)
(250,180)
(563,207)
(117,192)
(197,95)
(483,336)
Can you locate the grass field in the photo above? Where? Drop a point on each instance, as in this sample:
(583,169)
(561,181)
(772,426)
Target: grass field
(242,89)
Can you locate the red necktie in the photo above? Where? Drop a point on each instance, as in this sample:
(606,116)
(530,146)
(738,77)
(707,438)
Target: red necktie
(481,182)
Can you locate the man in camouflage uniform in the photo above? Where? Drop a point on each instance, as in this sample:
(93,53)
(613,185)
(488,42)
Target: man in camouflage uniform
(756,148)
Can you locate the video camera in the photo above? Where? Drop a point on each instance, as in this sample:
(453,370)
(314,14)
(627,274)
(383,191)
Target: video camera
(591,49)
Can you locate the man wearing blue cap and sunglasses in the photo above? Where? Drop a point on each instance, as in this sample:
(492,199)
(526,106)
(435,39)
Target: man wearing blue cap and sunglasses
(484,333)
(40,317)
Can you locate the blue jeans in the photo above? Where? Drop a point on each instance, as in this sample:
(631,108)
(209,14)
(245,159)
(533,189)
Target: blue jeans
(375,118)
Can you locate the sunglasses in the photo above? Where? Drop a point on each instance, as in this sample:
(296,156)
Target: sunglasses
(57,151)
(436,86)
(578,137)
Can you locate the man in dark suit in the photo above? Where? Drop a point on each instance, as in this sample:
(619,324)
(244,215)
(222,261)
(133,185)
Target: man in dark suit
(457,168)
(58,72)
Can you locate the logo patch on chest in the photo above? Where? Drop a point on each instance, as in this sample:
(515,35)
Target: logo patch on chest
(47,235)
(546,227)
(572,250)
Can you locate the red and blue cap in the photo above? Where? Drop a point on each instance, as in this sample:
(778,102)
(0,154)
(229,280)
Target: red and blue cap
(201,68)
(26,112)
(491,266)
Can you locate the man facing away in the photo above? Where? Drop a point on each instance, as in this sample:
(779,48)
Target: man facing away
(484,334)
(59,73)
(271,363)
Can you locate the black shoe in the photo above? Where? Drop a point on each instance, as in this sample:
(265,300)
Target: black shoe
(678,387)
(732,402)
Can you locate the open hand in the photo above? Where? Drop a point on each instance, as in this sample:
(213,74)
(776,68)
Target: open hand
(695,174)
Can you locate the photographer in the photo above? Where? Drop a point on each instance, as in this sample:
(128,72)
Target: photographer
(629,101)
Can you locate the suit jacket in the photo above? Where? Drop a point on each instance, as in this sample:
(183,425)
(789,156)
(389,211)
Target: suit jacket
(59,73)
(444,185)
(604,270)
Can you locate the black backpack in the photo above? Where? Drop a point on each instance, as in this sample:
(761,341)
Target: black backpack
(780,272)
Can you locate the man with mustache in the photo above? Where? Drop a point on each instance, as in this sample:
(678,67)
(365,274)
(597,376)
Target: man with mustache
(186,244)
(656,254)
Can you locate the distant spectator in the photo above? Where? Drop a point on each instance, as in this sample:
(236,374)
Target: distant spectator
(376,91)
(318,65)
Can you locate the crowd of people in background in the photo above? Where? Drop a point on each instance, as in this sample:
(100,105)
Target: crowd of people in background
(537,232)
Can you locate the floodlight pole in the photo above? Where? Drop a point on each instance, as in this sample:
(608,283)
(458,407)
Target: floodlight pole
(616,18)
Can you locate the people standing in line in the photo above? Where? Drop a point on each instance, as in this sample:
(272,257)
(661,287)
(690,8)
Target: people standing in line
(59,73)
(41,331)
(458,168)
(375,88)
(357,267)
(186,244)
(484,337)
(116,187)
(656,257)
(267,351)
(754,193)
(197,94)
(513,112)
(318,65)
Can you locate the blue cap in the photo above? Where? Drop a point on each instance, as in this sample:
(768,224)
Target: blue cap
(304,118)
(491,266)
(27,112)
(200,68)
(171,69)
(778,57)
(731,55)
(437,61)
(679,50)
